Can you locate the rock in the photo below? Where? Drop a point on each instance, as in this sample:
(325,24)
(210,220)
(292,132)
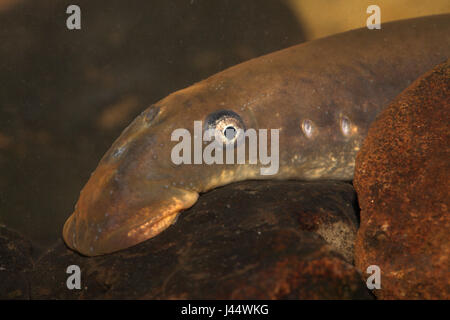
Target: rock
(249,240)
(402,180)
(15,262)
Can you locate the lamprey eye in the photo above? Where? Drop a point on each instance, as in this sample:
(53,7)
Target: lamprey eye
(228,125)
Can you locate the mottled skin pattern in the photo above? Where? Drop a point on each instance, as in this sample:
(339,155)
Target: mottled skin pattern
(136,191)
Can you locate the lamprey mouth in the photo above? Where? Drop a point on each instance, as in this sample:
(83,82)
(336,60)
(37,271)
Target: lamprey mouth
(111,215)
(92,237)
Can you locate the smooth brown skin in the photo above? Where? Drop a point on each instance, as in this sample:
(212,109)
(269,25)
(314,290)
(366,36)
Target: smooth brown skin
(136,191)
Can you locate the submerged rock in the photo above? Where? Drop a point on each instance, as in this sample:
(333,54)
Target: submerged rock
(249,240)
(402,180)
(15,262)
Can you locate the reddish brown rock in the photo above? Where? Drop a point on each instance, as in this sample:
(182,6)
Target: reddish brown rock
(249,240)
(402,180)
(15,263)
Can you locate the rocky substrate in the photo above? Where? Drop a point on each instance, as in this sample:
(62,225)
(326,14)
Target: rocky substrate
(402,179)
(15,263)
(249,240)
